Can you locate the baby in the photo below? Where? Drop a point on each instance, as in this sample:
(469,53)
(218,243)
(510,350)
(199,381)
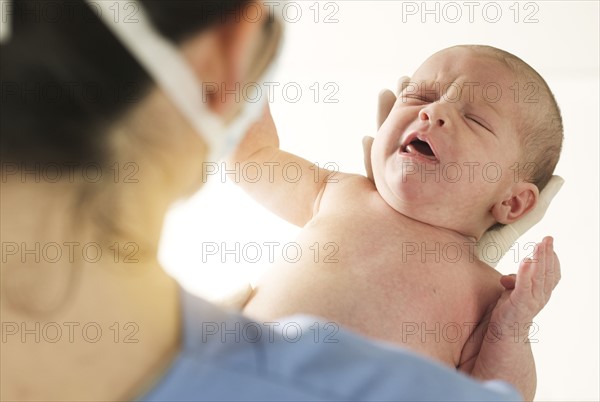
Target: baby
(468,145)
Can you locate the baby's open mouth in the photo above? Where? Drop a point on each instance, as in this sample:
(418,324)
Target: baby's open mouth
(420,148)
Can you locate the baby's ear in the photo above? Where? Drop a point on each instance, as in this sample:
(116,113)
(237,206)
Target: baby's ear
(522,200)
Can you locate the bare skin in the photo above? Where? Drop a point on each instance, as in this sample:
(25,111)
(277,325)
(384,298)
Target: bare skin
(127,287)
(395,256)
(373,274)
(124,285)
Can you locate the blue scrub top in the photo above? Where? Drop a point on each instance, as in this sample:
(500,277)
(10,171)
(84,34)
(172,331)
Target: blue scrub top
(226,356)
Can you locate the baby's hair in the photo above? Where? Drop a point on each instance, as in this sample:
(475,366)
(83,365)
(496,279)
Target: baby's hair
(541,127)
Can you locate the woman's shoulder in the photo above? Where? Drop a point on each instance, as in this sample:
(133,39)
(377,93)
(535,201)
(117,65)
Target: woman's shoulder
(229,356)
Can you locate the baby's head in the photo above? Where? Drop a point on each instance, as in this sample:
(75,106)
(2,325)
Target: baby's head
(470,142)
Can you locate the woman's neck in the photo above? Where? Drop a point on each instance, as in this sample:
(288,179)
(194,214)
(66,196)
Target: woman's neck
(60,266)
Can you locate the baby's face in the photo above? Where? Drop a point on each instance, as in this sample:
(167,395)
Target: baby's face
(447,152)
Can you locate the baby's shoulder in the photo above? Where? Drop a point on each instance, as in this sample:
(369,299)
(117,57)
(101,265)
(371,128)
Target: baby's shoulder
(344,189)
(345,184)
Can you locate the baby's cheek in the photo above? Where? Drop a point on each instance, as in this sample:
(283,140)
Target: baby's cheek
(378,155)
(378,167)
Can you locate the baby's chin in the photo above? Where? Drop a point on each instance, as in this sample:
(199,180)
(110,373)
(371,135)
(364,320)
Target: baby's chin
(408,202)
(437,213)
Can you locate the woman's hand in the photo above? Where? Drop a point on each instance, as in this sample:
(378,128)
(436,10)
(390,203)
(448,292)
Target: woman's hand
(385,104)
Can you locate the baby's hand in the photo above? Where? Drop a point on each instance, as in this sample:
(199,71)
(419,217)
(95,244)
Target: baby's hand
(502,356)
(528,292)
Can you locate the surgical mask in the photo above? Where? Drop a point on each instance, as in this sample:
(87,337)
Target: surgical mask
(172,73)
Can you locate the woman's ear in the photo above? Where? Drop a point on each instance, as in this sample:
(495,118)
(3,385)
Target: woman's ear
(221,56)
(243,38)
(206,56)
(521,200)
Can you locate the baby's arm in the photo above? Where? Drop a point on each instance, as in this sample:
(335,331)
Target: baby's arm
(505,351)
(288,185)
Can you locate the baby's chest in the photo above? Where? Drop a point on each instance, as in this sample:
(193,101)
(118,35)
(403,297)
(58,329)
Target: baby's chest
(392,257)
(400,266)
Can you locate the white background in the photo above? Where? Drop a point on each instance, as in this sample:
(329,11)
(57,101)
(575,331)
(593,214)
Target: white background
(371,45)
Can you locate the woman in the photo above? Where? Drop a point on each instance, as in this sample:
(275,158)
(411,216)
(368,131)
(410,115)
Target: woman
(93,154)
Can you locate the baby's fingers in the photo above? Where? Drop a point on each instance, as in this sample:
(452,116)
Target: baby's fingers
(550,281)
(536,277)
(508,281)
(540,269)
(530,277)
(557,271)
(524,283)
(556,268)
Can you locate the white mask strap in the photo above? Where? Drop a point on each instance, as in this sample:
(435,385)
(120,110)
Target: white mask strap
(165,64)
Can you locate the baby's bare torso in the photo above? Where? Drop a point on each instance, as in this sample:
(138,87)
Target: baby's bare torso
(369,268)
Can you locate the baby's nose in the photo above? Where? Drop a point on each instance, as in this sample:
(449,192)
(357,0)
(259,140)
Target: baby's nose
(424,115)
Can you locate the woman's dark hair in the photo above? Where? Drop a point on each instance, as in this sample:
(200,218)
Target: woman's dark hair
(65,77)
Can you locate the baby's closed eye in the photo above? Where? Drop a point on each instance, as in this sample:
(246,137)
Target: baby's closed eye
(413,98)
(479,122)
